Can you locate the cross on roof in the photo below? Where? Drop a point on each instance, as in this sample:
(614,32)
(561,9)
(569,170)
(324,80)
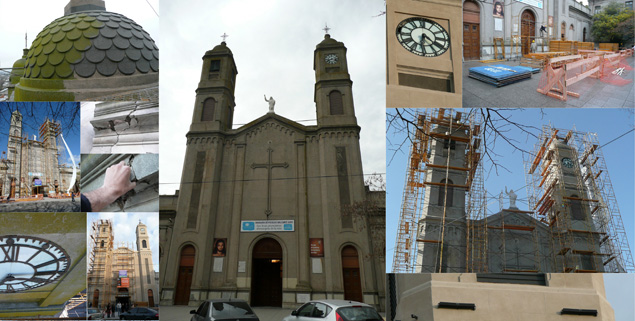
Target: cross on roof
(224,36)
(326,28)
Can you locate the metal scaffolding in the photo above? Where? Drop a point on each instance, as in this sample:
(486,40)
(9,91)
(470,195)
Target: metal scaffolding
(572,225)
(571,193)
(429,123)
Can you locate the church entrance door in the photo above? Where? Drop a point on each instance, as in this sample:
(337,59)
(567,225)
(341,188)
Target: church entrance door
(266,275)
(184,280)
(471,31)
(527,30)
(351,277)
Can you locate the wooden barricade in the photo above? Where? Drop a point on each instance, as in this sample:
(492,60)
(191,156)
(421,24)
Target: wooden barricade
(558,79)
(579,45)
(562,45)
(609,46)
(541,58)
(610,61)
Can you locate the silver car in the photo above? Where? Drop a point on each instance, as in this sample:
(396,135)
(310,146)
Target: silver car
(224,309)
(334,310)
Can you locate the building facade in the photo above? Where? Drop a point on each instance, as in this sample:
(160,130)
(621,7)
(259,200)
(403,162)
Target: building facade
(32,166)
(120,274)
(518,24)
(491,296)
(260,214)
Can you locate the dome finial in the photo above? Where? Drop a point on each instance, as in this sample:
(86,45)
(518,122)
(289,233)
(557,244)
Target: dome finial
(84,5)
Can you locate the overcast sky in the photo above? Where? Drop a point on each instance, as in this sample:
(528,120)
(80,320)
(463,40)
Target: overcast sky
(124,228)
(32,16)
(272,43)
(608,123)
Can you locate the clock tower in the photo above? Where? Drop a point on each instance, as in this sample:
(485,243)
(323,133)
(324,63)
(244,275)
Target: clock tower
(333,85)
(424,53)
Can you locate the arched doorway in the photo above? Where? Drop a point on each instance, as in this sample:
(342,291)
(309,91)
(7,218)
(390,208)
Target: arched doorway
(527,30)
(350,272)
(150,298)
(471,30)
(584,34)
(571,32)
(184,280)
(96,298)
(266,273)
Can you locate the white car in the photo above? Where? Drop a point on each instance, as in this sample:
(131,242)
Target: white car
(334,310)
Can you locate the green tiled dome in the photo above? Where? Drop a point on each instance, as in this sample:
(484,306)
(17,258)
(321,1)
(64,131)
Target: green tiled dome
(91,43)
(18,68)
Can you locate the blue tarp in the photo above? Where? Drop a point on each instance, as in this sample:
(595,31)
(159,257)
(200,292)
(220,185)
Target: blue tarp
(500,72)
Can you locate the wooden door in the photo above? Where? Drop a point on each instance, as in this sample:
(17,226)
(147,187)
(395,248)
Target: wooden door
(184,279)
(351,275)
(266,274)
(528,30)
(471,31)
(471,41)
(150,298)
(96,298)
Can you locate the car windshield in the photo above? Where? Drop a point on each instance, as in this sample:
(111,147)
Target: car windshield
(359,314)
(222,310)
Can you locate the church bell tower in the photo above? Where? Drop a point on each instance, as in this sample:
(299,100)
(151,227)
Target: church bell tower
(214,106)
(333,86)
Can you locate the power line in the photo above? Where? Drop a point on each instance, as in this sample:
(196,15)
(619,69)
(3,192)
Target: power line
(155,12)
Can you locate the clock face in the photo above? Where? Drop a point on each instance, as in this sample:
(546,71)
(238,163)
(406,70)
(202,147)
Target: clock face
(567,162)
(28,262)
(330,59)
(423,37)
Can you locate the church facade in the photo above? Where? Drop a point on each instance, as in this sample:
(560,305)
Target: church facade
(31,166)
(261,213)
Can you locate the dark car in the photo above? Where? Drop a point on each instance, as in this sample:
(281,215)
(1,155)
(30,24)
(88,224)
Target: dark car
(224,309)
(140,314)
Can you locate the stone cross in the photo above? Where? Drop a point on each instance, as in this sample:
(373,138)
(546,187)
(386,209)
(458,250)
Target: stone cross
(326,28)
(224,36)
(269,166)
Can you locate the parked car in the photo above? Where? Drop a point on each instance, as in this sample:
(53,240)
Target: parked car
(224,309)
(95,314)
(140,314)
(334,310)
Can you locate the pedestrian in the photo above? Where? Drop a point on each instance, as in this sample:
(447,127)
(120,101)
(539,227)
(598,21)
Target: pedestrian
(73,197)
(118,309)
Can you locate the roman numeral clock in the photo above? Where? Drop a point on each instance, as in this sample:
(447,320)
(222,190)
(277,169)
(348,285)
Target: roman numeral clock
(28,262)
(424,53)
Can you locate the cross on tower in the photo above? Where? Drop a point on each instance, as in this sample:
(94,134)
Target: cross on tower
(269,166)
(326,28)
(224,36)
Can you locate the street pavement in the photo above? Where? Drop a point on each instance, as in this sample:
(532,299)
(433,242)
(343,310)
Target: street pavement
(182,313)
(593,92)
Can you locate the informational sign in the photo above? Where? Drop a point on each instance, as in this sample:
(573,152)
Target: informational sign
(123,273)
(218,264)
(550,19)
(37,182)
(316,247)
(242,266)
(123,283)
(316,265)
(498,24)
(35,174)
(267,226)
(535,3)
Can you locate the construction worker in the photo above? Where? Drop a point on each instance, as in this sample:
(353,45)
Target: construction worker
(532,48)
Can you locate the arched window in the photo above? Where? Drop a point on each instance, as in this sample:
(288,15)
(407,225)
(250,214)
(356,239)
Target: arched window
(335,103)
(144,244)
(576,209)
(442,189)
(208,109)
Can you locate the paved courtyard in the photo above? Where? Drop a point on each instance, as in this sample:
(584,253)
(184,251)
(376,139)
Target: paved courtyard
(593,92)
